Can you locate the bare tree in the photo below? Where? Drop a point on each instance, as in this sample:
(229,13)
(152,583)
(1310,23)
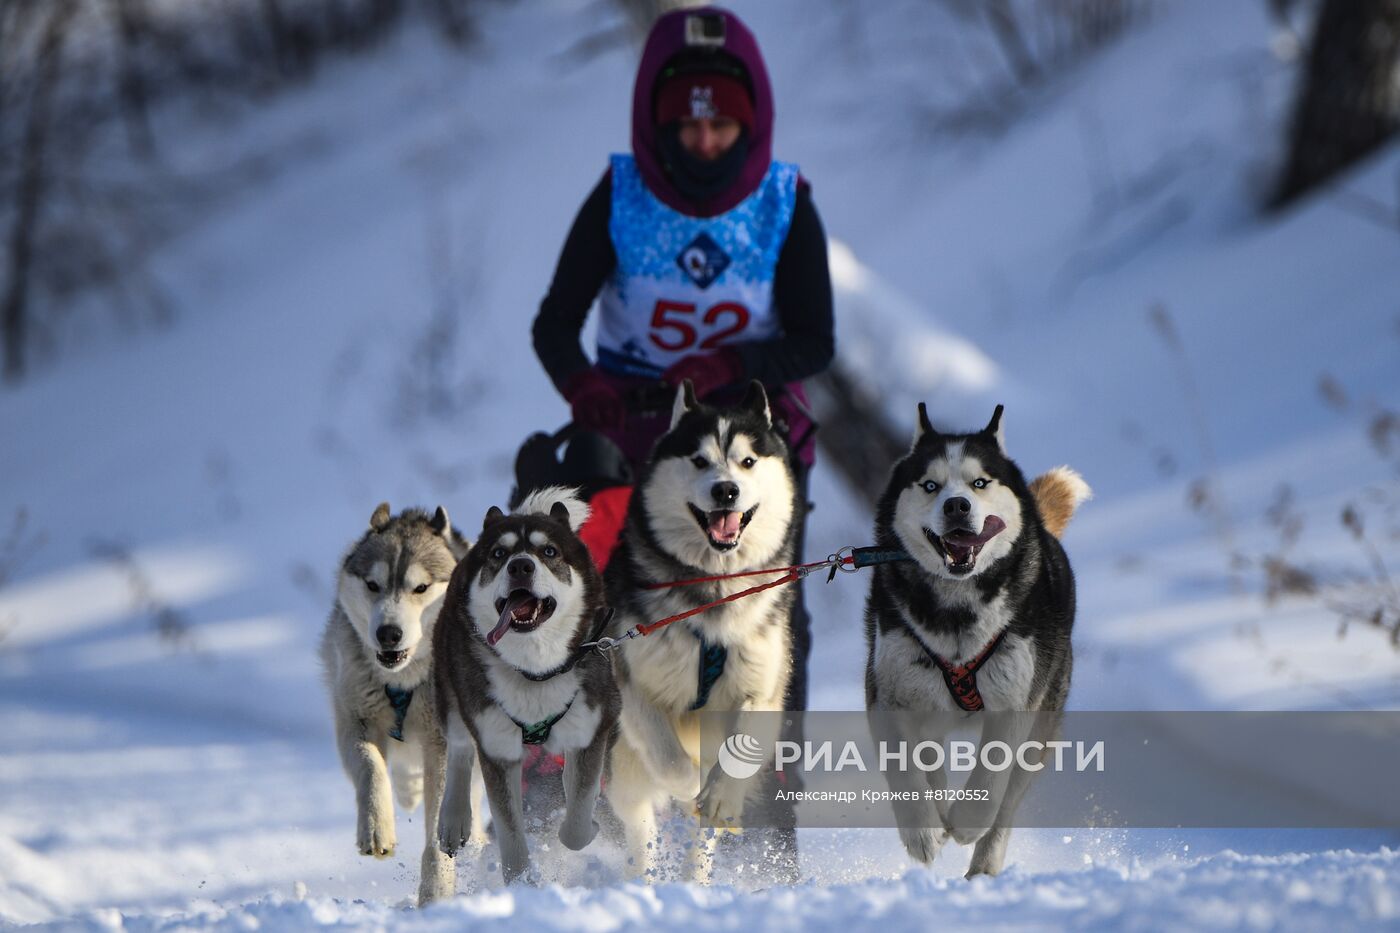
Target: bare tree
(1348,101)
(132,26)
(1007,29)
(999,51)
(33,178)
(75,73)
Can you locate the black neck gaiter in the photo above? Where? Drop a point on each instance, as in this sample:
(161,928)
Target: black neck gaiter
(696,179)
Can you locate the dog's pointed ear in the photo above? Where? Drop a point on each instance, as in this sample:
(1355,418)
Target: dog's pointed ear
(924,426)
(756,401)
(493,515)
(441,524)
(685,401)
(380,519)
(994,428)
(560,513)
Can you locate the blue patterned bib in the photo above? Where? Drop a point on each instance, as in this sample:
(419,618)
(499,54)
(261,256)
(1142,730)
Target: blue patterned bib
(686,284)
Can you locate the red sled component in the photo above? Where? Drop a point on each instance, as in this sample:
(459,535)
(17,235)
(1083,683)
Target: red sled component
(604,526)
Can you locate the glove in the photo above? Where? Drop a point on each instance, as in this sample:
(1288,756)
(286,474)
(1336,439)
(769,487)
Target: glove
(707,371)
(594,401)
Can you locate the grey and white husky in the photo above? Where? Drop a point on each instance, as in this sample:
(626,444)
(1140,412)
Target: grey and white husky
(514,666)
(717,496)
(377,655)
(980,619)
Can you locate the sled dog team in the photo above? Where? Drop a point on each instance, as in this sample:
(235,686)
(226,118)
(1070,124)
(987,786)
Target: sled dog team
(446,661)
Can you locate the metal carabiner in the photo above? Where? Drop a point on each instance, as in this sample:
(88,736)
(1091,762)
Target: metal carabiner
(608,643)
(843,560)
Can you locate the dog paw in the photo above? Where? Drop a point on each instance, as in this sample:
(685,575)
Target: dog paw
(456,827)
(722,801)
(453,836)
(966,835)
(375,835)
(408,789)
(922,844)
(967,822)
(575,836)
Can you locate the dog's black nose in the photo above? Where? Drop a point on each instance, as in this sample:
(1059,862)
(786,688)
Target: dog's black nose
(725,493)
(520,567)
(388,635)
(956,507)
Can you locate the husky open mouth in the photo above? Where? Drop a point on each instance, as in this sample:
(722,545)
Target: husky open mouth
(392,659)
(521,611)
(959,548)
(723,528)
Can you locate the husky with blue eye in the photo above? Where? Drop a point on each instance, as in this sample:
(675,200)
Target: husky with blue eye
(377,656)
(978,620)
(718,496)
(516,666)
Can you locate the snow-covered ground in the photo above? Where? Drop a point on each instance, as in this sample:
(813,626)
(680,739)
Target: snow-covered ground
(1303,891)
(354,327)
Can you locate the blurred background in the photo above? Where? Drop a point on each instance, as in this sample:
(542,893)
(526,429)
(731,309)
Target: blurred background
(265,263)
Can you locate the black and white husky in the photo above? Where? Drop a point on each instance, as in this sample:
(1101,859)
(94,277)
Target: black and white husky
(377,655)
(980,619)
(514,667)
(718,496)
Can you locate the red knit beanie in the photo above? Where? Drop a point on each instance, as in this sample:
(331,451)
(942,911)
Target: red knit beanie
(701,96)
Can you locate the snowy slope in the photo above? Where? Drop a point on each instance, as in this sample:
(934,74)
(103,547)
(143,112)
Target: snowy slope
(209,475)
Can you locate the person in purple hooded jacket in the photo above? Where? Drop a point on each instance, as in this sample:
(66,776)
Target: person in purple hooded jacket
(707,258)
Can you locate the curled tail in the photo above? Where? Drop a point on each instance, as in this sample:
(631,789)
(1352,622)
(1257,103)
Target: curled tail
(542,502)
(1058,492)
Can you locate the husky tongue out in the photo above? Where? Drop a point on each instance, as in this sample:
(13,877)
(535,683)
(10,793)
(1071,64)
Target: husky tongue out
(521,611)
(961,547)
(724,527)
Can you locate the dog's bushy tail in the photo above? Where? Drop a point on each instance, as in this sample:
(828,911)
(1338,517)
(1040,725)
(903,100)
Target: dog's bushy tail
(1058,492)
(542,500)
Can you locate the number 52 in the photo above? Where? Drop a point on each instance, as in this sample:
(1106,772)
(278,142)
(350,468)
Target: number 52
(671,327)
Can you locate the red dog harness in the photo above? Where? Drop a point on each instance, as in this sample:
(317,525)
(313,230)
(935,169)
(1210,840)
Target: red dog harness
(962,678)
